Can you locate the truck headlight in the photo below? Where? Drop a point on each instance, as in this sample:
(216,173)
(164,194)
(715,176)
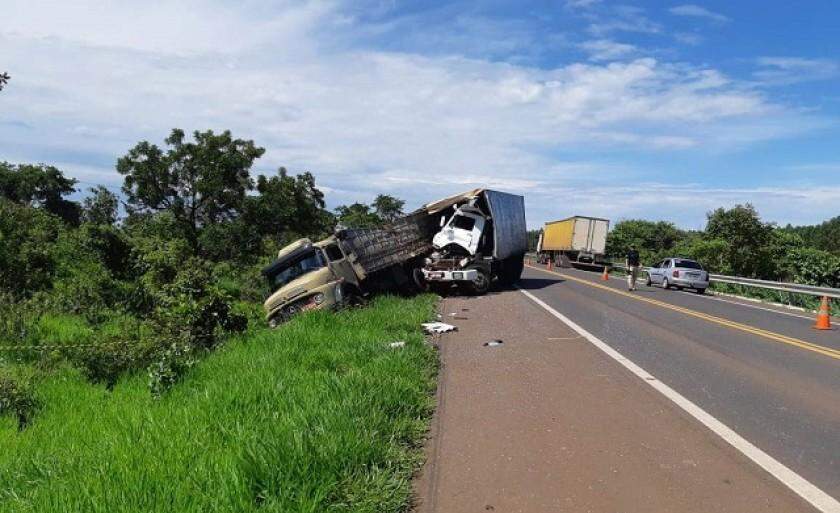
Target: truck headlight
(339,295)
(318,298)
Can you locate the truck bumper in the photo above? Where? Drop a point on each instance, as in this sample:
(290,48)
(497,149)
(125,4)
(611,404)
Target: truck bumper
(465,275)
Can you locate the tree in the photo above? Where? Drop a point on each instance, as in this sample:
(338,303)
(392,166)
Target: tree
(200,183)
(357,215)
(748,252)
(653,240)
(288,205)
(388,208)
(100,207)
(4,79)
(39,186)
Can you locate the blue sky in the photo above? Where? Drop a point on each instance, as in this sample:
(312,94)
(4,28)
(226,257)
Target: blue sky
(659,110)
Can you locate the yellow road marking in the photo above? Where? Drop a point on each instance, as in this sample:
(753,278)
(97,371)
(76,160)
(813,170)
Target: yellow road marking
(802,344)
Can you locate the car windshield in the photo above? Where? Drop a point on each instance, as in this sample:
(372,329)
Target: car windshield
(296,268)
(687,264)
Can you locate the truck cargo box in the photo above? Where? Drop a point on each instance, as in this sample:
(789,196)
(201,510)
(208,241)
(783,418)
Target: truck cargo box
(578,233)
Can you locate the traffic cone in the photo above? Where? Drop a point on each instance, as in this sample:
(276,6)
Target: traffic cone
(824,316)
(606,275)
(548,264)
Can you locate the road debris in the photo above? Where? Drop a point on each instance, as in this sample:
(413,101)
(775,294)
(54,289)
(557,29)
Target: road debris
(493,343)
(438,327)
(397,344)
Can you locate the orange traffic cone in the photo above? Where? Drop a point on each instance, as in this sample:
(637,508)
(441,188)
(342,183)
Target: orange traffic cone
(824,316)
(548,264)
(606,275)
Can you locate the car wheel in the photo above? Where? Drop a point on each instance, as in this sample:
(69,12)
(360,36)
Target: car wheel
(665,284)
(700,291)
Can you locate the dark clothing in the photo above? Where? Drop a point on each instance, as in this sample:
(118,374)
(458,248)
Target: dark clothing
(633,258)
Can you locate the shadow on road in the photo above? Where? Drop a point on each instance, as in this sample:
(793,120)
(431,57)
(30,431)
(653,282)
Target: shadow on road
(537,283)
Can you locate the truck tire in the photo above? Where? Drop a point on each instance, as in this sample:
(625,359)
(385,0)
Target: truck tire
(481,284)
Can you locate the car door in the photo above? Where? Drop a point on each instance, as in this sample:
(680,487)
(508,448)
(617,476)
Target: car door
(339,264)
(655,272)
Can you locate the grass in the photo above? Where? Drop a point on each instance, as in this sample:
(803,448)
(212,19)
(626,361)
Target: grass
(319,415)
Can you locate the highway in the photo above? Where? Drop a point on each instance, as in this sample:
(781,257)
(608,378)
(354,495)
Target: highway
(762,371)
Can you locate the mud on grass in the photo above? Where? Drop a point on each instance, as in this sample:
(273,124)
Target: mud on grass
(319,415)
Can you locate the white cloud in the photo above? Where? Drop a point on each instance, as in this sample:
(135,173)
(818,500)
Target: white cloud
(607,50)
(624,18)
(789,70)
(697,11)
(363,120)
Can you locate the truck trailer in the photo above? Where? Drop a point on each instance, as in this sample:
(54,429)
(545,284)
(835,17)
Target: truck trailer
(577,241)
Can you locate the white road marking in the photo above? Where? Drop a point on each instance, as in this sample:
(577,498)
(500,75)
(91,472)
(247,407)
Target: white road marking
(798,484)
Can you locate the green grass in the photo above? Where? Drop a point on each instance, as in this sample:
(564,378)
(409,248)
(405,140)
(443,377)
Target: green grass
(319,415)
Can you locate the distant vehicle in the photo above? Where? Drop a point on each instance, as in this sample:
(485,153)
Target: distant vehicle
(680,273)
(577,241)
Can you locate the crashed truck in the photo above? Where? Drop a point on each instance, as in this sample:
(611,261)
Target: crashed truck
(465,241)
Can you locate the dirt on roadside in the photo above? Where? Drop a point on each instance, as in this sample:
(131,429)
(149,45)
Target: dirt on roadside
(544,422)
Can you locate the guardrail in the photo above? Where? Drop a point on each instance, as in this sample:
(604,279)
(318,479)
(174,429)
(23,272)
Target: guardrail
(797,288)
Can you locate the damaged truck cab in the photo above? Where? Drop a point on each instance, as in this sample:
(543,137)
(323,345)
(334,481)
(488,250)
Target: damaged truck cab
(307,276)
(482,237)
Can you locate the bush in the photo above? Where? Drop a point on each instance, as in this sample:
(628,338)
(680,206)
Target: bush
(17,395)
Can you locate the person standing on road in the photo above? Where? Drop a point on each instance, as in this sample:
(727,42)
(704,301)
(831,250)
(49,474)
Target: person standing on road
(632,263)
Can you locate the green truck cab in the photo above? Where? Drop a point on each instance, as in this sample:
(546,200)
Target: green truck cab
(308,276)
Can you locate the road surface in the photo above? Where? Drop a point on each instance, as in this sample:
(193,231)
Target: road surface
(783,397)
(761,371)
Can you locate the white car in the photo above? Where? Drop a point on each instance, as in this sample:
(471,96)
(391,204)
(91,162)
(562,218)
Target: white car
(680,273)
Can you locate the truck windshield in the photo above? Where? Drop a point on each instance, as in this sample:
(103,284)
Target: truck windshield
(295,268)
(463,222)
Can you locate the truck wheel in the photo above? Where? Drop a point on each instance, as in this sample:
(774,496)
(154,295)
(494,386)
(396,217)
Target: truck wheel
(481,284)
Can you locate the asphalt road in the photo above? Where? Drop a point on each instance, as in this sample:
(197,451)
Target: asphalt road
(768,375)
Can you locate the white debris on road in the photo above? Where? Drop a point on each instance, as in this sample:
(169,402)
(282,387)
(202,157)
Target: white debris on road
(438,327)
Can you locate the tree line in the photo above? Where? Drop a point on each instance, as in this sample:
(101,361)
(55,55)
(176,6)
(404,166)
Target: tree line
(737,242)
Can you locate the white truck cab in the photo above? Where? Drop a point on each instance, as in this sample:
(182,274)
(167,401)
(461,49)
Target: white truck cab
(464,229)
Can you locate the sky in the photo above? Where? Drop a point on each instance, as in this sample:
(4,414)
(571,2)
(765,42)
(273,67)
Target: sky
(648,109)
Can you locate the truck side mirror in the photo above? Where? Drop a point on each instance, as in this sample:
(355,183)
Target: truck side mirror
(442,221)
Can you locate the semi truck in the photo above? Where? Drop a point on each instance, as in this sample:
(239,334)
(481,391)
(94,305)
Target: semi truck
(465,240)
(577,241)
(481,237)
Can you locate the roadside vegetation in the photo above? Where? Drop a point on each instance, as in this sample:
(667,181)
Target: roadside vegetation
(136,371)
(737,242)
(320,415)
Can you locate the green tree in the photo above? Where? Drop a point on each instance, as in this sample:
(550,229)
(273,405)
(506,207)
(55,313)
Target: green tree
(100,207)
(39,186)
(26,237)
(358,215)
(288,206)
(200,183)
(748,252)
(653,240)
(388,208)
